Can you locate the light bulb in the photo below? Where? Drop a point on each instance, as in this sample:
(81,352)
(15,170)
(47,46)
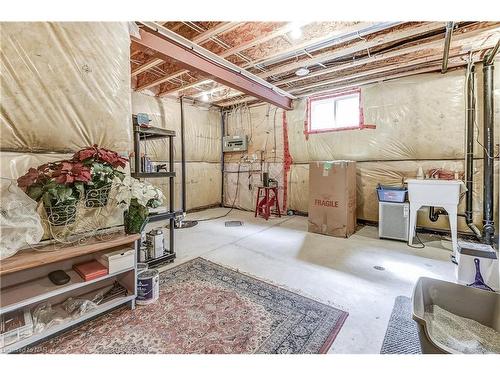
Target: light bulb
(296,30)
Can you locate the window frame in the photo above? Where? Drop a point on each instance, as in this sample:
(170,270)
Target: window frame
(311,99)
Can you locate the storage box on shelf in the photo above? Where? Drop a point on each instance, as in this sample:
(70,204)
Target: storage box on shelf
(25,283)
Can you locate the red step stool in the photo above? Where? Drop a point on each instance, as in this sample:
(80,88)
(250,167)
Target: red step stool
(267,202)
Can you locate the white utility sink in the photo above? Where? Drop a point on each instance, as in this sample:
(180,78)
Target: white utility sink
(437,193)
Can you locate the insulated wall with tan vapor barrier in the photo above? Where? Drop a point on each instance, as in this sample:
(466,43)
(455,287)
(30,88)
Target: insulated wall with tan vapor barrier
(65,86)
(420,121)
(263,125)
(202,130)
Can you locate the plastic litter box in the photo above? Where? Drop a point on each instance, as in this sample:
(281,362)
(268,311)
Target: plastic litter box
(468,302)
(391,194)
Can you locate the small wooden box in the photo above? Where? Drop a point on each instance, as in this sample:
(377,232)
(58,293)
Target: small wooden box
(119,260)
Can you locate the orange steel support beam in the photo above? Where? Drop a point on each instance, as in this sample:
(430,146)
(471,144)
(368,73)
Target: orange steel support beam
(193,61)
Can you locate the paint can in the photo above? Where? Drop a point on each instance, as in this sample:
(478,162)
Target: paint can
(148,287)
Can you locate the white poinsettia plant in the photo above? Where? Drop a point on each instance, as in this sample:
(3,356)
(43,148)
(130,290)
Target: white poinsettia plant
(130,189)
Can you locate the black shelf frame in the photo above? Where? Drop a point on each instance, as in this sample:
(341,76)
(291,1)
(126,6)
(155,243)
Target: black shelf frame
(149,133)
(152,174)
(167,258)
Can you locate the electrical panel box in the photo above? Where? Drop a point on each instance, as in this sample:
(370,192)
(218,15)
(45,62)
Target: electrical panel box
(235,143)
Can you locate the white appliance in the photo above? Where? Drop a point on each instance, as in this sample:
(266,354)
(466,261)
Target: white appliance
(118,260)
(436,193)
(393,220)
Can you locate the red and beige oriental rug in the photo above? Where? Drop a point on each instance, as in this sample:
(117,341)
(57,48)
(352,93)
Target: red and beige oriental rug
(206,308)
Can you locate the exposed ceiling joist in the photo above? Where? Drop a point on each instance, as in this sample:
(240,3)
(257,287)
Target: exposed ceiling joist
(237,101)
(384,69)
(202,82)
(227,53)
(296,49)
(472,38)
(356,83)
(466,42)
(339,36)
(152,62)
(261,39)
(343,87)
(195,58)
(362,45)
(222,28)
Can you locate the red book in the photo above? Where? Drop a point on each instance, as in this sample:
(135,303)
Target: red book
(90,270)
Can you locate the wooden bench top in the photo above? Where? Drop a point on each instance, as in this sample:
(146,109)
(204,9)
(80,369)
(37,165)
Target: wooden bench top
(30,258)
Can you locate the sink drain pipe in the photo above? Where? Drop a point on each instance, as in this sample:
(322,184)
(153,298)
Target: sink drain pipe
(469,152)
(488,146)
(469,158)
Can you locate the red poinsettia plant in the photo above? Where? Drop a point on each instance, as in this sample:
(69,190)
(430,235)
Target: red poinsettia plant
(57,183)
(64,182)
(104,164)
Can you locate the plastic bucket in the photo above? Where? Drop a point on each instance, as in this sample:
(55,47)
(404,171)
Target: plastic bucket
(391,194)
(148,287)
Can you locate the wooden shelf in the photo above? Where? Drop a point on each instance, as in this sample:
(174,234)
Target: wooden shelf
(64,325)
(30,258)
(24,294)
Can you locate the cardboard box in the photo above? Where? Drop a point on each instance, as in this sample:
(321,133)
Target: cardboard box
(332,198)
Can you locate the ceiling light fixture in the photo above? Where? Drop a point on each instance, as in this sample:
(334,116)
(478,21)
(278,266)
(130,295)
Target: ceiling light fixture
(296,30)
(301,72)
(204,97)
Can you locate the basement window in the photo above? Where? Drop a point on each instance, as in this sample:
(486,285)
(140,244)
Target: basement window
(334,112)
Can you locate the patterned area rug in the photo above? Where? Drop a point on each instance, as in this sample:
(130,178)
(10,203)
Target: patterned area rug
(206,308)
(402,331)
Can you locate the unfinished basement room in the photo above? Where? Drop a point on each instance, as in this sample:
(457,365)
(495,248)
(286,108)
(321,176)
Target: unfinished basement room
(258,186)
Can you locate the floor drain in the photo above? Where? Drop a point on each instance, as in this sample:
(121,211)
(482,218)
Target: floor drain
(233,223)
(379,268)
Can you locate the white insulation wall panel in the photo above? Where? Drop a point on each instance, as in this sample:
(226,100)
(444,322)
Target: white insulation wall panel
(203,185)
(417,117)
(369,174)
(202,128)
(241,188)
(15,164)
(420,121)
(65,86)
(264,127)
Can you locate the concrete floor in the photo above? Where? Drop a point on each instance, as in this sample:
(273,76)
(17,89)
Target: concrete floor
(336,271)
